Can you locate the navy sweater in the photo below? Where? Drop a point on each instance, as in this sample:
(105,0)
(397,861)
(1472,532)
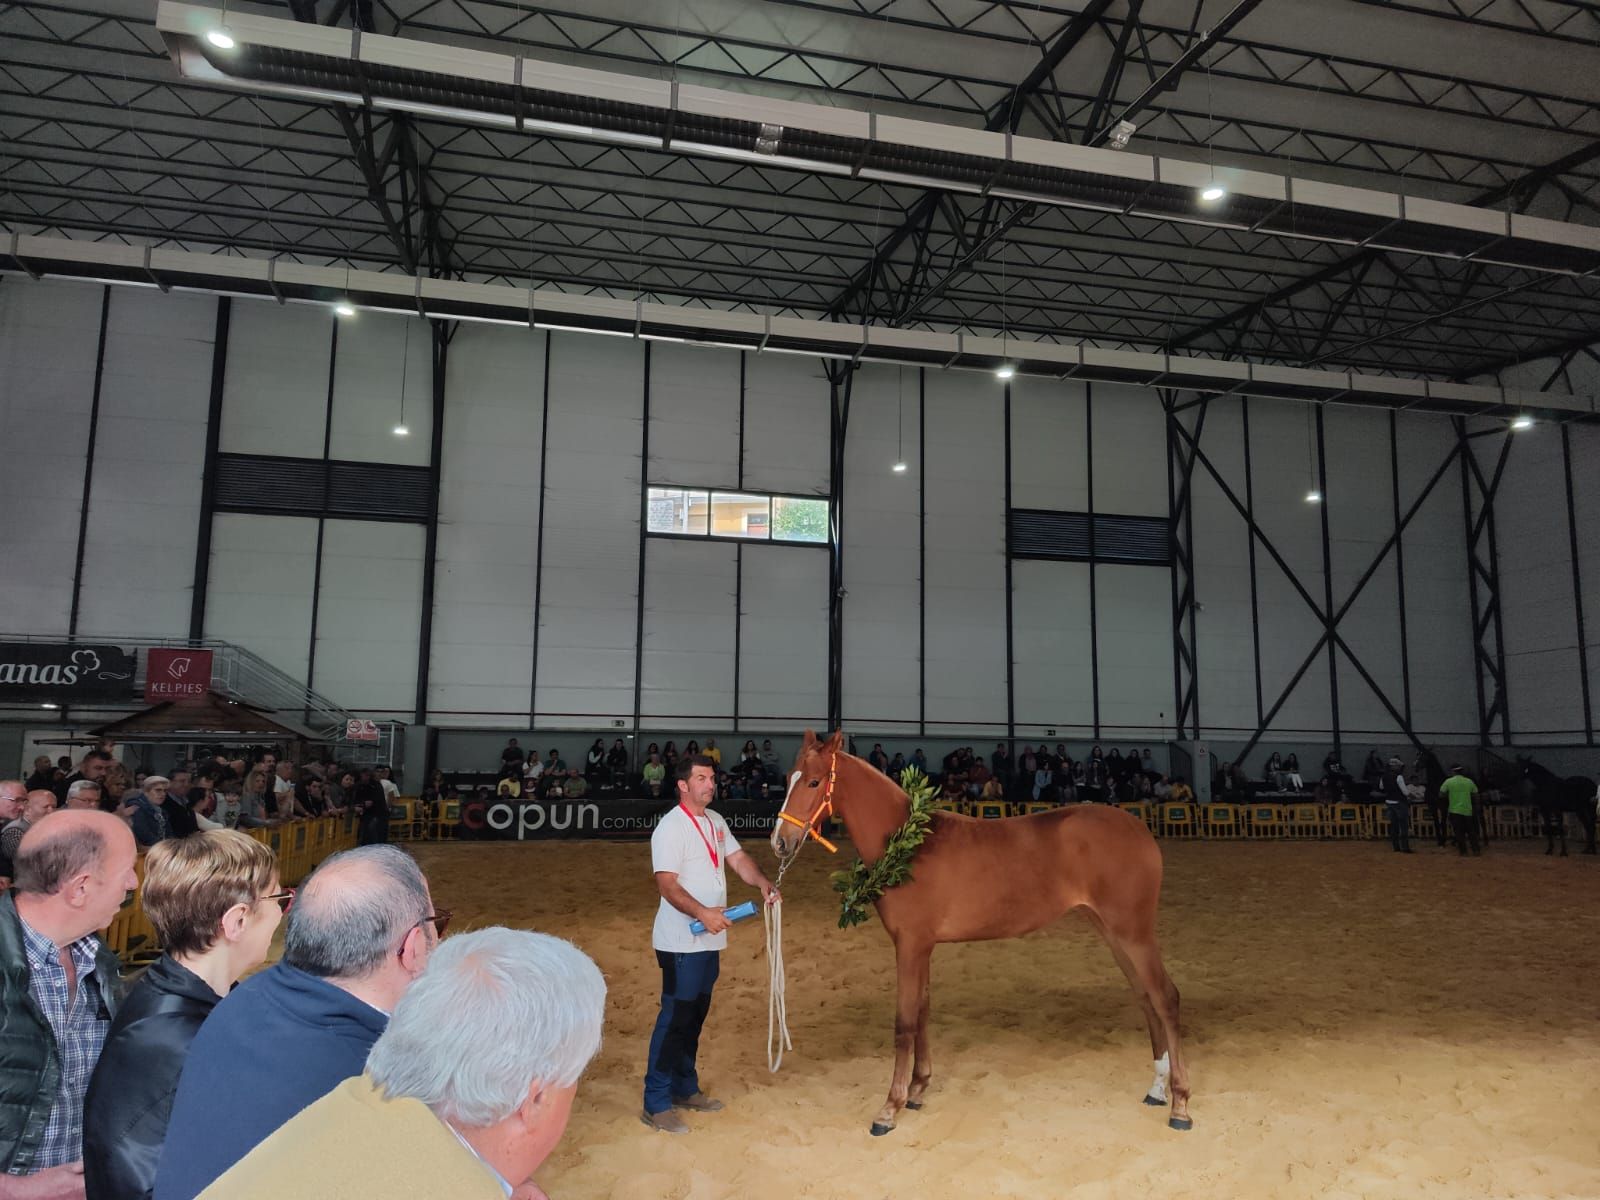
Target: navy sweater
(282,1040)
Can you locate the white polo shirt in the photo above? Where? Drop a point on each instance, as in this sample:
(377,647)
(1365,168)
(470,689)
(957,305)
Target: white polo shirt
(676,846)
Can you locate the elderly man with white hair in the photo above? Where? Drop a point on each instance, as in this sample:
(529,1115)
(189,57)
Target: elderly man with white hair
(85,795)
(465,1094)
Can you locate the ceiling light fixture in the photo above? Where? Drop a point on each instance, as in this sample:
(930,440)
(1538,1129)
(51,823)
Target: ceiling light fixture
(220,38)
(899,467)
(1213,192)
(345,309)
(1522,421)
(1005,371)
(1313,497)
(49,706)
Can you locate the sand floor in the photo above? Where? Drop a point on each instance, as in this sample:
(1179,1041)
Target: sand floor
(1358,1024)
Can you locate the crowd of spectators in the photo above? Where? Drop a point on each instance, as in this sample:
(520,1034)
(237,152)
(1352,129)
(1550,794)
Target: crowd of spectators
(610,772)
(372,1059)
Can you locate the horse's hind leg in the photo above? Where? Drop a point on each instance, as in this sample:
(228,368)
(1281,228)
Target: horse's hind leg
(1163,994)
(911,980)
(1157,1095)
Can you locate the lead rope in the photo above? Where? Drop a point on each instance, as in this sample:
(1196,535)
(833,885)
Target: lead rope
(777,1012)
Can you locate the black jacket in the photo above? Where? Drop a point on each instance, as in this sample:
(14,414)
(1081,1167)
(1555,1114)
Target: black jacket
(30,1065)
(130,1094)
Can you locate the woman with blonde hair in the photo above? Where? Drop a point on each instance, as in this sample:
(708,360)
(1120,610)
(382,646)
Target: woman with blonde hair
(215,902)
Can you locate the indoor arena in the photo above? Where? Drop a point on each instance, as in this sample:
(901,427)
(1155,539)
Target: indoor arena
(799,598)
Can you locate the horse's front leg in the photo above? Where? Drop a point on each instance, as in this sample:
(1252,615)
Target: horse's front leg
(911,980)
(922,1067)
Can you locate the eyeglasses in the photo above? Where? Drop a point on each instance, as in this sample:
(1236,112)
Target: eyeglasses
(441,920)
(284,898)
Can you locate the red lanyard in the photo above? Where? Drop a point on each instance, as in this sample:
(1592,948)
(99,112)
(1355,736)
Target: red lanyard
(709,850)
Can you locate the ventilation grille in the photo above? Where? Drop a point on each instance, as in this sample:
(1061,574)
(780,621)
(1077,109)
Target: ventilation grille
(312,487)
(1078,537)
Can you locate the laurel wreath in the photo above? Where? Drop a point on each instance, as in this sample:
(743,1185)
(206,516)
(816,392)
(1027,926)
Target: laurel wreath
(860,885)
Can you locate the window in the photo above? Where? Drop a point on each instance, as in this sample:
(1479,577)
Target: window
(743,516)
(677,510)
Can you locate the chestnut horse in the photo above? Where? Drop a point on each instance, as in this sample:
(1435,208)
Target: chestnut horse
(973,880)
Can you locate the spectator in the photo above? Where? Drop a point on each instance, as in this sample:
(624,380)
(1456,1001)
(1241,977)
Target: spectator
(992,790)
(94,765)
(1397,806)
(510,785)
(1272,772)
(897,764)
(655,773)
(1458,792)
(594,763)
(309,798)
(360,932)
(691,748)
(769,761)
(13,796)
(36,806)
(466,1092)
(669,758)
(59,990)
(1148,763)
(977,777)
(44,774)
(253,802)
(372,807)
(617,764)
(215,903)
(577,785)
(878,758)
(85,795)
(391,789)
(531,771)
(283,785)
(512,754)
(713,753)
(919,760)
(344,784)
(1291,772)
(1181,791)
(555,762)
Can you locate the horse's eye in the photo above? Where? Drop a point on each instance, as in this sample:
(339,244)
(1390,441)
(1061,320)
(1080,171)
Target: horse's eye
(814,783)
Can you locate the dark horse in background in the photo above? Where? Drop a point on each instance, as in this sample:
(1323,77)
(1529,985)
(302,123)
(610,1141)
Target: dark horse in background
(1555,798)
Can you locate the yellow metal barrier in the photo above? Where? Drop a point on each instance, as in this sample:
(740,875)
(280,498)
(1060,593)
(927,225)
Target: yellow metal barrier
(299,847)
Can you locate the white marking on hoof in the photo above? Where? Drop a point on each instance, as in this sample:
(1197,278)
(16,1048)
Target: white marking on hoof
(1158,1089)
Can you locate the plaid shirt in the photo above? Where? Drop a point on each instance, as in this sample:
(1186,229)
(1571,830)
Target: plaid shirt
(79,1024)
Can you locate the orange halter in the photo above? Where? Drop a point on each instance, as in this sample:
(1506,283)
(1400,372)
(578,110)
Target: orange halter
(824,811)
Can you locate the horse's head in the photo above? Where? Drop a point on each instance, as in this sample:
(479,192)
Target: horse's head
(809,800)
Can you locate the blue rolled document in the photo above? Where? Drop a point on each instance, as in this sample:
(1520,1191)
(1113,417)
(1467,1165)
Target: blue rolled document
(737,913)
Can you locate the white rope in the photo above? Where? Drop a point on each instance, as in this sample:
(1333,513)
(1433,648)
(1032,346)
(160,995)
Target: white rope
(777,1015)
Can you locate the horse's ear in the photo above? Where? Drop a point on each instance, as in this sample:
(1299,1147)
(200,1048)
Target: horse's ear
(810,740)
(835,741)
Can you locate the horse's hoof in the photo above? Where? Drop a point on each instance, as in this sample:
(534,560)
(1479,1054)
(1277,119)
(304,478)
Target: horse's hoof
(879,1129)
(1180,1123)
(1154,1102)
(914,1104)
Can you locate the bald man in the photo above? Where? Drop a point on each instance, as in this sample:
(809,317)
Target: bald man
(12,796)
(35,805)
(59,988)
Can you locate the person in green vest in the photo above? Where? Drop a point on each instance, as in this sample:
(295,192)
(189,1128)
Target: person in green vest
(1458,792)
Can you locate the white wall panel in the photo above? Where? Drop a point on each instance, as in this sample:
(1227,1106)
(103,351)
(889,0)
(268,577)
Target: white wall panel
(1224,629)
(1049,446)
(1585,447)
(275,393)
(263,572)
(694,416)
(484,588)
(1130,450)
(144,507)
(1360,520)
(965,595)
(379,359)
(1053,680)
(1539,619)
(687,669)
(49,333)
(881,669)
(783,638)
(589,589)
(369,616)
(785,424)
(1438,602)
(1133,619)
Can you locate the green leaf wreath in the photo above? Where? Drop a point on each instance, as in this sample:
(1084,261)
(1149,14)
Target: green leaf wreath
(860,885)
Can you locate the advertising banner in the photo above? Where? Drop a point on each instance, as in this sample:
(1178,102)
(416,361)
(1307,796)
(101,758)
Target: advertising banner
(64,673)
(176,674)
(537,820)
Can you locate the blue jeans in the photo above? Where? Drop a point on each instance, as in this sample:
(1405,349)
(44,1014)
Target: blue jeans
(686,983)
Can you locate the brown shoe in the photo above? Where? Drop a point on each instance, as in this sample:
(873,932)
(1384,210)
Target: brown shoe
(699,1102)
(667,1121)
